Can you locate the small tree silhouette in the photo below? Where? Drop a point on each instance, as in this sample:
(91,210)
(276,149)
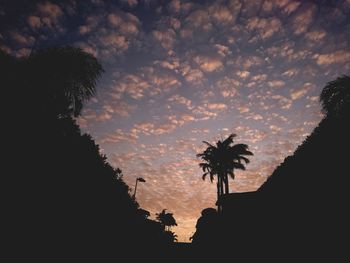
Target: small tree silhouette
(167,220)
(335,96)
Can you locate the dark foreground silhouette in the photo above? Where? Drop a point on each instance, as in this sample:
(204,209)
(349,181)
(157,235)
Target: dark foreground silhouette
(301,212)
(64,202)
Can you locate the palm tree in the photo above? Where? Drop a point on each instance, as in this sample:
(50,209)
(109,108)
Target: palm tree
(61,79)
(335,96)
(221,160)
(167,220)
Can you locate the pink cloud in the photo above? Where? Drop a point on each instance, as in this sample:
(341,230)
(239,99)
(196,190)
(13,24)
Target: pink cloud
(276,83)
(303,19)
(340,56)
(208,64)
(217,106)
(166,38)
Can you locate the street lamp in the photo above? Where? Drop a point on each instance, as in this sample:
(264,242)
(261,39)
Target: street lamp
(138,179)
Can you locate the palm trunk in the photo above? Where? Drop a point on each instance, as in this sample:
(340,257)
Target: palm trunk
(226,185)
(220,192)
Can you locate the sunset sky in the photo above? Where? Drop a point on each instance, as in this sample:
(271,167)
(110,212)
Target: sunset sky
(180,72)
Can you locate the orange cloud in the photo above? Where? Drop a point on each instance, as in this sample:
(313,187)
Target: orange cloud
(217,106)
(208,64)
(276,83)
(265,27)
(340,56)
(302,21)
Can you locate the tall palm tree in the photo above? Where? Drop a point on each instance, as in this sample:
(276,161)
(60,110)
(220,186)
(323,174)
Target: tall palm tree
(221,160)
(335,96)
(61,79)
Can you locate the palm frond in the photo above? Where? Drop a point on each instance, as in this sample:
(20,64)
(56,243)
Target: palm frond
(232,175)
(246,160)
(204,175)
(228,140)
(238,166)
(207,143)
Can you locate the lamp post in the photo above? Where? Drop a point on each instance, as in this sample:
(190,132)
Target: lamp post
(138,179)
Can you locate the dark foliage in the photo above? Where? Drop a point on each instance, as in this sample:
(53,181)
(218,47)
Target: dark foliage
(300,212)
(66,203)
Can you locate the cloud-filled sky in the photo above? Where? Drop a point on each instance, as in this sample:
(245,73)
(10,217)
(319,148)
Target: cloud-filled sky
(180,72)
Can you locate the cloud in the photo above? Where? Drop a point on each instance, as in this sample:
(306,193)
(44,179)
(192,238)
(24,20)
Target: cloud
(181,120)
(166,38)
(181,100)
(162,83)
(132,85)
(115,41)
(208,64)
(46,14)
(291,7)
(254,116)
(130,3)
(252,61)
(177,6)
(243,74)
(147,81)
(119,108)
(243,109)
(164,129)
(276,83)
(193,76)
(298,93)
(290,72)
(217,106)
(259,77)
(126,23)
(119,136)
(221,14)
(172,65)
(227,86)
(222,50)
(282,101)
(199,18)
(109,33)
(21,39)
(5,48)
(275,128)
(316,35)
(146,128)
(265,27)
(303,19)
(121,159)
(340,56)
(203,113)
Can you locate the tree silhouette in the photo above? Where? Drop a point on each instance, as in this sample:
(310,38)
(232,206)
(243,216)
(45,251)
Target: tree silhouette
(74,202)
(221,160)
(335,96)
(166,219)
(63,78)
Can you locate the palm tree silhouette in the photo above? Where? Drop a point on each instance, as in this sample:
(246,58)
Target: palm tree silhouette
(221,160)
(63,78)
(167,220)
(335,96)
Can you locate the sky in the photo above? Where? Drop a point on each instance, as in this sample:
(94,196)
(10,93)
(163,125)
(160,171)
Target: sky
(180,72)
